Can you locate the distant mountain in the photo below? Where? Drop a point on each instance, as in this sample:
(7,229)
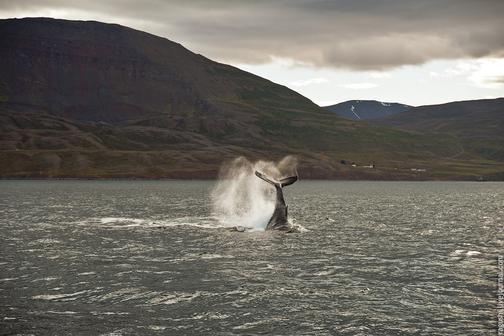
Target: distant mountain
(88,99)
(477,124)
(366,109)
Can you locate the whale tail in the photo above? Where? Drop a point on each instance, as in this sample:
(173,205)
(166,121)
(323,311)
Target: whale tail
(282,183)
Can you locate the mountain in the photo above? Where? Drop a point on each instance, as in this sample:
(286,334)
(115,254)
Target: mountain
(366,109)
(478,125)
(93,100)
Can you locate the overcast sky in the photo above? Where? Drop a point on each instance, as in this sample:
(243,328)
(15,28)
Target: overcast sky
(414,52)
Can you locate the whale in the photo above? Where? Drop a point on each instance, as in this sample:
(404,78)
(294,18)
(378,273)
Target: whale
(279,220)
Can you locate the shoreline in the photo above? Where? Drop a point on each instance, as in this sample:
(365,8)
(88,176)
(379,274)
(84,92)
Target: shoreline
(216,179)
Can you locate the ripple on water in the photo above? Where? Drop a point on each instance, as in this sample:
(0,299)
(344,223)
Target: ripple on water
(60,297)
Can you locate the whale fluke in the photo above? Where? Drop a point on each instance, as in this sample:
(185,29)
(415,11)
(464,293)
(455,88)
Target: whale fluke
(282,183)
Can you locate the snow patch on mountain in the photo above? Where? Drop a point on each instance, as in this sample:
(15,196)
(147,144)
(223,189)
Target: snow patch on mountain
(353,111)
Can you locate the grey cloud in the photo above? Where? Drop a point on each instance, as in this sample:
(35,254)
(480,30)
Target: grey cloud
(497,80)
(367,34)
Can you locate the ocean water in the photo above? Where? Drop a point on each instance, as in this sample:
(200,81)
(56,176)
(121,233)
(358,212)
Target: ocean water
(148,258)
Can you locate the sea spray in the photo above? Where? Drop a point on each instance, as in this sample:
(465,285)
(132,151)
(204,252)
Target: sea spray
(241,199)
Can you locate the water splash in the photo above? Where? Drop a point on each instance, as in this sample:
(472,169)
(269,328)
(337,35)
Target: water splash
(242,199)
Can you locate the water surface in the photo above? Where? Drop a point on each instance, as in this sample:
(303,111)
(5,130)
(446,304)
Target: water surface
(146,257)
